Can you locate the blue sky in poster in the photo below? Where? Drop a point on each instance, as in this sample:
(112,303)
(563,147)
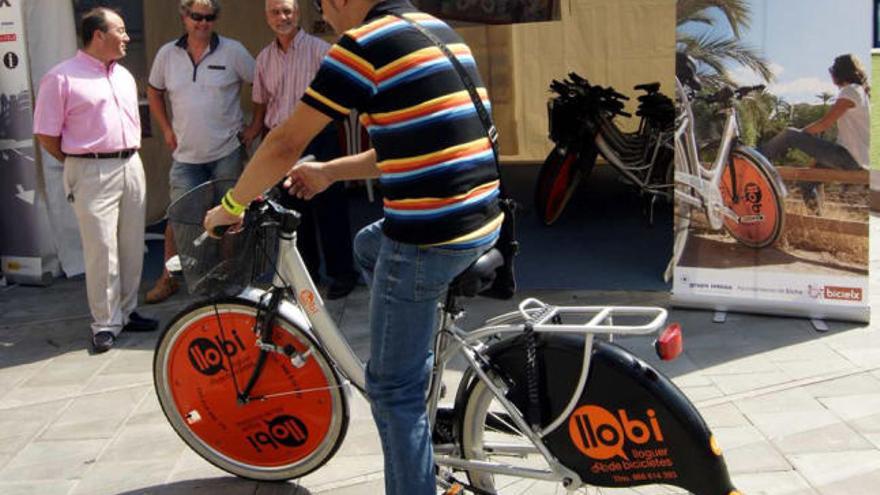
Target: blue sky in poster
(800,39)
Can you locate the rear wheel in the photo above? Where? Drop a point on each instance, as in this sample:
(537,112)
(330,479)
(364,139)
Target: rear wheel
(557,180)
(206,355)
(755,199)
(488,434)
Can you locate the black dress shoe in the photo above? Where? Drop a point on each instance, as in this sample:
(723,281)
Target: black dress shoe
(137,323)
(103,341)
(340,288)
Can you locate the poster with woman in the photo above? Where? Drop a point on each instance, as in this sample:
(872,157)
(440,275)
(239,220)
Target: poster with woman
(772,149)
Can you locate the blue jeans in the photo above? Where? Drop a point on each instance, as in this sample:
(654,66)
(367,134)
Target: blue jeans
(407,282)
(827,154)
(184,177)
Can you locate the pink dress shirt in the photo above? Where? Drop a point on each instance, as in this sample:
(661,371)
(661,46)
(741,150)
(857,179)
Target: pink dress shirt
(281,78)
(94,108)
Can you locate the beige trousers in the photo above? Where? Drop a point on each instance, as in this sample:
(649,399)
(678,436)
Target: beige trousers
(109,199)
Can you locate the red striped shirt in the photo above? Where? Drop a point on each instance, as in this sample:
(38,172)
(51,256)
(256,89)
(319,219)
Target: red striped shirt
(282,77)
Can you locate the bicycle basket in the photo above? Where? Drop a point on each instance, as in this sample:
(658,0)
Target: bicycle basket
(225,266)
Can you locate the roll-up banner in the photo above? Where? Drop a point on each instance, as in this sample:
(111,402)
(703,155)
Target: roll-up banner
(772,182)
(26,246)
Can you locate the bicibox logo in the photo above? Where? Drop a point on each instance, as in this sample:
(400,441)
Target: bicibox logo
(600,434)
(843,293)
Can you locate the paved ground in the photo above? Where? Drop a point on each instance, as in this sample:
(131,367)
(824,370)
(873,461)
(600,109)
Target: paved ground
(797,412)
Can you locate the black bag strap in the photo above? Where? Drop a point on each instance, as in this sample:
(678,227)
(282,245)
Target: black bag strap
(491,131)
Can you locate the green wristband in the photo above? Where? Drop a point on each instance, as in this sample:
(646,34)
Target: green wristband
(232,206)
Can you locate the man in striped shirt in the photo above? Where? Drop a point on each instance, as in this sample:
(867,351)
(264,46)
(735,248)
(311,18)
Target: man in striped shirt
(438,174)
(284,69)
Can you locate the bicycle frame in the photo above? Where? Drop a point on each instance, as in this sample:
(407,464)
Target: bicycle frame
(690,171)
(312,315)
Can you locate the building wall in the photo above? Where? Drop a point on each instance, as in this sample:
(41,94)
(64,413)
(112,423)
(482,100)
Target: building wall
(610,42)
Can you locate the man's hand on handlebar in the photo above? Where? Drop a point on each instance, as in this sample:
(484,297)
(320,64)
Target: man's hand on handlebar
(306,179)
(218,221)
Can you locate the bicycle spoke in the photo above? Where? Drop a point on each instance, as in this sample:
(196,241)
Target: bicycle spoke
(228,358)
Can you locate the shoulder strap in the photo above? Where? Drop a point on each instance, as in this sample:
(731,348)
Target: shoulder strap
(491,131)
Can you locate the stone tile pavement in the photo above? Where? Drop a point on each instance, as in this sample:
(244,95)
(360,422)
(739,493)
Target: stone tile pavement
(797,412)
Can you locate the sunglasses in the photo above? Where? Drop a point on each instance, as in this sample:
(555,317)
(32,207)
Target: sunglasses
(318,8)
(195,16)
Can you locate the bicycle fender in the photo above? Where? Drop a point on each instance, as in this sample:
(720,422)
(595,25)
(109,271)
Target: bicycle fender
(290,311)
(762,160)
(630,425)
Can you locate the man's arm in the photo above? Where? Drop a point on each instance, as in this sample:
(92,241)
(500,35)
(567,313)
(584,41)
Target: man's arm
(278,152)
(307,179)
(256,126)
(52,144)
(156,100)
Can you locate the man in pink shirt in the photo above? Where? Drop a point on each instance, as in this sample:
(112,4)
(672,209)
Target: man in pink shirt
(87,117)
(284,69)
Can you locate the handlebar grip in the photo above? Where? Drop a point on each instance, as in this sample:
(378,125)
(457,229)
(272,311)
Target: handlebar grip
(218,231)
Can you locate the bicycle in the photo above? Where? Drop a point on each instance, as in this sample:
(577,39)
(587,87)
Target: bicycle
(740,191)
(257,382)
(582,125)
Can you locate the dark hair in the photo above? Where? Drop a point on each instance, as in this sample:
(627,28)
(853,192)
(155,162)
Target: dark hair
(847,69)
(94,20)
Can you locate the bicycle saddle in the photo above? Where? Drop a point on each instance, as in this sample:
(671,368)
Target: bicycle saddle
(479,276)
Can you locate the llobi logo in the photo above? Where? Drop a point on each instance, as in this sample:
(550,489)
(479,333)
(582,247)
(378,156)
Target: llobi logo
(284,430)
(753,196)
(600,434)
(205,354)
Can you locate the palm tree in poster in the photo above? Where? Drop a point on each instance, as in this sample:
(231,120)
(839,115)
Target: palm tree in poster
(700,35)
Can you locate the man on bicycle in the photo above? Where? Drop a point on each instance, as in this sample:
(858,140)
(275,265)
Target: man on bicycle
(438,173)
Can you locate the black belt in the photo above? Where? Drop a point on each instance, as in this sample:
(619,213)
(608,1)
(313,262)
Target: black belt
(115,154)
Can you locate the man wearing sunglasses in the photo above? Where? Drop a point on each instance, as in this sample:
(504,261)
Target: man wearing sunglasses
(436,166)
(202,74)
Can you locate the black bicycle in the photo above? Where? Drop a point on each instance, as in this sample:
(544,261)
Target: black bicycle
(583,126)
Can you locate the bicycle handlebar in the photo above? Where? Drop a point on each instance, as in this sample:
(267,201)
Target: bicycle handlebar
(728,93)
(255,210)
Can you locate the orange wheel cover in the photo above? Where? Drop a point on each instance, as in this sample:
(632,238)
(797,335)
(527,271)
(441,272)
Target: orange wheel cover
(271,433)
(757,205)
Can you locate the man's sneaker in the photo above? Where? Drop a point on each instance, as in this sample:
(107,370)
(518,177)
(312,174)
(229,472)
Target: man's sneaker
(165,287)
(103,341)
(340,288)
(137,323)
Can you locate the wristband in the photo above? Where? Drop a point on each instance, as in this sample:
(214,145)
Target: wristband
(231,205)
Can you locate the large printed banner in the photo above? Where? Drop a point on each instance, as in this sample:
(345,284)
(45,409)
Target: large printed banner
(26,248)
(772,181)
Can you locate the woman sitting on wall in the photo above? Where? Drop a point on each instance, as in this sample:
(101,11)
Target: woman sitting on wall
(850,112)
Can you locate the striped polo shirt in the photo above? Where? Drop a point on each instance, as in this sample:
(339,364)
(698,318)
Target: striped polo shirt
(438,172)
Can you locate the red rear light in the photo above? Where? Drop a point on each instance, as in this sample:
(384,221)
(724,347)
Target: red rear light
(670,344)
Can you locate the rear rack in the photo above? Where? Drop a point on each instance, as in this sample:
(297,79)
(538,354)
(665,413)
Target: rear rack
(593,319)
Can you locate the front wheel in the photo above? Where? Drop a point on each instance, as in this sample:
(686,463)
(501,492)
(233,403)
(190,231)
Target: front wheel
(298,414)
(557,180)
(748,189)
